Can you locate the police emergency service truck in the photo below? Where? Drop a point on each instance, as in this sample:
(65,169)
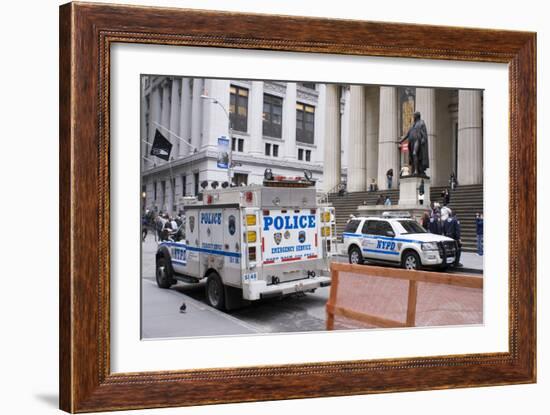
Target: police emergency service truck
(396,239)
(252,242)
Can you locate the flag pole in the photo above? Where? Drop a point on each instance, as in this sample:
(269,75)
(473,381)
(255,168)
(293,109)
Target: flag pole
(175,135)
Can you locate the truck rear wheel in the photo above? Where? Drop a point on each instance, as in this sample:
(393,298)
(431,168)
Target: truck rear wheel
(215,292)
(163,273)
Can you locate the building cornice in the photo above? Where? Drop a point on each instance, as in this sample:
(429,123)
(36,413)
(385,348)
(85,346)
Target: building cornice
(239,158)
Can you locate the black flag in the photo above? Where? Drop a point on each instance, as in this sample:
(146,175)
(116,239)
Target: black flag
(161,146)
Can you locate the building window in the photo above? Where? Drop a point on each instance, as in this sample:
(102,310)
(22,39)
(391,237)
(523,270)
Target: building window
(308,85)
(272,149)
(304,155)
(183,185)
(240,179)
(163,188)
(305,120)
(155,191)
(196,183)
(237,144)
(238,108)
(272,116)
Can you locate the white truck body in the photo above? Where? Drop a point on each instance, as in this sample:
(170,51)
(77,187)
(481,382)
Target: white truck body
(264,241)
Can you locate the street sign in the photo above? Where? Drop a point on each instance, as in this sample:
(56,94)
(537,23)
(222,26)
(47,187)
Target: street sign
(223,152)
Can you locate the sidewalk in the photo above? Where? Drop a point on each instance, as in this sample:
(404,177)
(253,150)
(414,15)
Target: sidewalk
(471,262)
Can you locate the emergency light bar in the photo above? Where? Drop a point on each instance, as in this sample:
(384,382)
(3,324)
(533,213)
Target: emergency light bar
(285,181)
(396,215)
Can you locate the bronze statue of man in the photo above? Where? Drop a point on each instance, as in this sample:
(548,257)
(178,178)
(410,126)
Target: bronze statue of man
(418,146)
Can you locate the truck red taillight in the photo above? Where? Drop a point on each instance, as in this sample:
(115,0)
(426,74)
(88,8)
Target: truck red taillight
(263,244)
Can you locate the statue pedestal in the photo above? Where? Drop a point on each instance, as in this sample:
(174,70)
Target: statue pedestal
(408,199)
(408,192)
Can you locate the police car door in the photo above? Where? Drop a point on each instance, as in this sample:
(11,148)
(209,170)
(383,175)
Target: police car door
(386,247)
(232,246)
(369,241)
(192,243)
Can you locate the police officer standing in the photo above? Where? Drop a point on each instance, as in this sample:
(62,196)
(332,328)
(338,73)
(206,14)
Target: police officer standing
(434,225)
(451,229)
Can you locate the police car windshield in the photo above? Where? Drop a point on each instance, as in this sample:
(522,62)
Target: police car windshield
(409,226)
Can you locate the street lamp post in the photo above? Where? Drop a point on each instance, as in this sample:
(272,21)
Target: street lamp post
(230,137)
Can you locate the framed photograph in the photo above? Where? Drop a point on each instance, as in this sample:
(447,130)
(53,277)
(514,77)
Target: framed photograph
(254,208)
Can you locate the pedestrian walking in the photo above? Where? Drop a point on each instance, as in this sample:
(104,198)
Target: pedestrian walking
(144,224)
(479,233)
(452,181)
(445,195)
(389,177)
(387,202)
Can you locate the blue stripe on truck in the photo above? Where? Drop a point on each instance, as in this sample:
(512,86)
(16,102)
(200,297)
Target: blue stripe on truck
(206,250)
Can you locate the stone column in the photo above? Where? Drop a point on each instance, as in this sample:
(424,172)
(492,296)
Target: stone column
(185,117)
(470,138)
(344,129)
(175,118)
(357,157)
(255,119)
(426,105)
(215,121)
(372,102)
(388,152)
(155,117)
(165,116)
(289,122)
(196,113)
(320,125)
(144,139)
(332,160)
(165,112)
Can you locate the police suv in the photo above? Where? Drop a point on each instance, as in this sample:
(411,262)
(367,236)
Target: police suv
(252,242)
(396,239)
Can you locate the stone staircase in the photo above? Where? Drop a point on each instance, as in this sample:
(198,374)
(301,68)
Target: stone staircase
(346,205)
(466,201)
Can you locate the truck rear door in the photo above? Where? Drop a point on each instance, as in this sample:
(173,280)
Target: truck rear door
(232,245)
(191,267)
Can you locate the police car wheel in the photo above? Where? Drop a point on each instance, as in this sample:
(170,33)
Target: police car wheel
(411,260)
(355,256)
(163,273)
(215,293)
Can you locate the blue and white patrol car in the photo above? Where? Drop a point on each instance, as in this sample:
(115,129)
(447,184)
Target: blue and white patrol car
(252,242)
(398,240)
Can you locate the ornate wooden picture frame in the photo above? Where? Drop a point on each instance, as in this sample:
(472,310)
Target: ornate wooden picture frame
(87,32)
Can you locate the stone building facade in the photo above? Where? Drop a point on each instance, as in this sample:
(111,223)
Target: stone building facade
(338,132)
